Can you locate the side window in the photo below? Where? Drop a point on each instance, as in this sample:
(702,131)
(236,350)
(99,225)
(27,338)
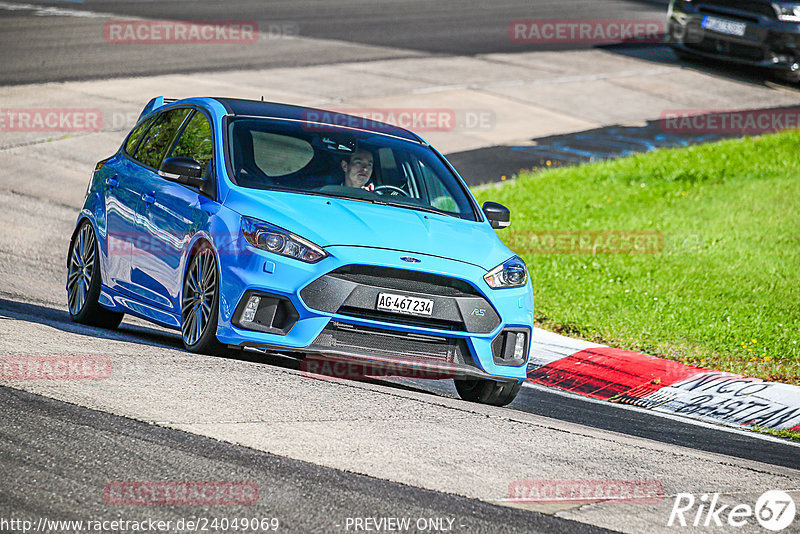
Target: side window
(136,135)
(196,142)
(159,137)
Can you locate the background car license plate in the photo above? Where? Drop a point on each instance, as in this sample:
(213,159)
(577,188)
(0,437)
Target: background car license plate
(404,304)
(724,26)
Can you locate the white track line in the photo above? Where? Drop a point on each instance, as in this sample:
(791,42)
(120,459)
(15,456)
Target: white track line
(48,11)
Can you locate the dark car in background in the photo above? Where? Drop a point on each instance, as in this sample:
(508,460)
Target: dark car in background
(751,32)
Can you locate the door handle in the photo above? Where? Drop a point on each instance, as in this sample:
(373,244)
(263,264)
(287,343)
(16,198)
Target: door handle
(112,182)
(149,199)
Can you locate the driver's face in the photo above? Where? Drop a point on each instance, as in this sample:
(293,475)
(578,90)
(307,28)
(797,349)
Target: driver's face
(358,169)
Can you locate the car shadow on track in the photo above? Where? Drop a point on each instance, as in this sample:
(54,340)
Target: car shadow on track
(156,337)
(538,401)
(59,319)
(664,55)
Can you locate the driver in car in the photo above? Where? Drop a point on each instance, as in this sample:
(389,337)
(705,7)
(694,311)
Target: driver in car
(358,170)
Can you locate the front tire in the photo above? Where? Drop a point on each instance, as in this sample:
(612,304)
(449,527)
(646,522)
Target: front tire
(200,303)
(83,282)
(487,391)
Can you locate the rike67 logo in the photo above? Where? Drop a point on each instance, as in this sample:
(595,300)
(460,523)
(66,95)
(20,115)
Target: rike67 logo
(774,510)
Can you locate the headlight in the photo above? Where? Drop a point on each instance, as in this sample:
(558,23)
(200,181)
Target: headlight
(788,12)
(277,240)
(511,273)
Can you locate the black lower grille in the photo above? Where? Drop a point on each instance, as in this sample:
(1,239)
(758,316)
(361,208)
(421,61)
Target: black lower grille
(410,320)
(392,343)
(727,48)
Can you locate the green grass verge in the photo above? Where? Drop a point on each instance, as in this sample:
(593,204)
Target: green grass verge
(724,289)
(788,434)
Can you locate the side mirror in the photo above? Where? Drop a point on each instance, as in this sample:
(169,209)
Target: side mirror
(499,216)
(182,170)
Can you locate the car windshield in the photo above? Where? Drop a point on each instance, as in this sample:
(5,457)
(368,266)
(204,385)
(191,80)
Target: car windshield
(310,158)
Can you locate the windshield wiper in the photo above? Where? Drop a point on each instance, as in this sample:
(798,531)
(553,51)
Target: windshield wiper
(420,207)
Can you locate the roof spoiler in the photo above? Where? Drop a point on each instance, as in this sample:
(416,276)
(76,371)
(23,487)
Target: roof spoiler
(154,104)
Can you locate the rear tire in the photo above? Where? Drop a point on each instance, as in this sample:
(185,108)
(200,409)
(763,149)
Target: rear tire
(83,282)
(487,391)
(200,304)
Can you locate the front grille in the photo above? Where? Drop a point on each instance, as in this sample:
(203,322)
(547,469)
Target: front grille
(763,9)
(391,343)
(410,320)
(727,48)
(403,280)
(354,290)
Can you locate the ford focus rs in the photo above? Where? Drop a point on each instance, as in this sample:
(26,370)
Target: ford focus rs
(269,226)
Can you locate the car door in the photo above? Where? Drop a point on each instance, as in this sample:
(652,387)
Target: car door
(147,241)
(122,191)
(173,215)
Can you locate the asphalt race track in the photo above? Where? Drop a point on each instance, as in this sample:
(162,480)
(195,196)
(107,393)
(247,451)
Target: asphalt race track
(321,451)
(374,29)
(87,448)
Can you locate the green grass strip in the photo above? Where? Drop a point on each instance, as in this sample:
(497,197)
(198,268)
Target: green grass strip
(696,252)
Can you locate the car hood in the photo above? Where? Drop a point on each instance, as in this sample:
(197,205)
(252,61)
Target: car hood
(329,221)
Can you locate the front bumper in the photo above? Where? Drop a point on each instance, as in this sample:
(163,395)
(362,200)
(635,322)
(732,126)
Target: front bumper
(767,42)
(331,310)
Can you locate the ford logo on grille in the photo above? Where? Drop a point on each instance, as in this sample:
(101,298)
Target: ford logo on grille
(409,259)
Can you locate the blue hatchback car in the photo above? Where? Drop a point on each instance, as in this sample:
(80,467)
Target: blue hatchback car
(256,224)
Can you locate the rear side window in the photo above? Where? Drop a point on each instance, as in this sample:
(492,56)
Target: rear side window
(196,141)
(136,135)
(160,136)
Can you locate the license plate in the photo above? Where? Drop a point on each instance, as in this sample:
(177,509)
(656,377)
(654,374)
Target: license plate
(404,304)
(729,27)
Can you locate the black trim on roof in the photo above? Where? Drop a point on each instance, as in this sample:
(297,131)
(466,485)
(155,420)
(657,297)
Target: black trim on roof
(255,108)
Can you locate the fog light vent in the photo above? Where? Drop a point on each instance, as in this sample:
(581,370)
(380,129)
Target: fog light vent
(265,313)
(510,347)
